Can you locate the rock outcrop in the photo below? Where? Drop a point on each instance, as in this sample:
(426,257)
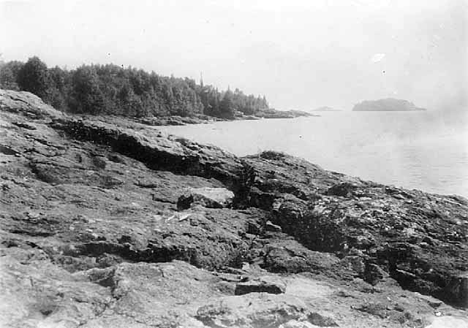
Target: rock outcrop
(207,197)
(273,113)
(115,224)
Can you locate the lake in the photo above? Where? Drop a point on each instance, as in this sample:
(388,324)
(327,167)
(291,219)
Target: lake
(415,150)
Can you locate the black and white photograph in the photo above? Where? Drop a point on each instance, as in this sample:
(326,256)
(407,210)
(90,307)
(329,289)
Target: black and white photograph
(233,164)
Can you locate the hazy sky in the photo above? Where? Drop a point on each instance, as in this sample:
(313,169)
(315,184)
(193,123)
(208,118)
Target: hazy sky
(300,54)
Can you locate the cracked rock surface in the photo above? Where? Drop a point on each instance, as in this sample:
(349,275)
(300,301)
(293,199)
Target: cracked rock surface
(111,223)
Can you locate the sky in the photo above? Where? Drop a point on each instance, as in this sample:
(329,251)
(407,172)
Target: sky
(300,54)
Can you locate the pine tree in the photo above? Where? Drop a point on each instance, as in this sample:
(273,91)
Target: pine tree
(226,107)
(86,94)
(34,77)
(112,89)
(9,74)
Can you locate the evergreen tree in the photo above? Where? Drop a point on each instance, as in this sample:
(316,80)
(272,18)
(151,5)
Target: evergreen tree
(226,107)
(112,89)
(213,103)
(86,94)
(34,77)
(59,91)
(9,74)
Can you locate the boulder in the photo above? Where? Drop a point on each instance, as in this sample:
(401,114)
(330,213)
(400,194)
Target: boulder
(266,284)
(458,287)
(207,197)
(252,311)
(269,226)
(343,189)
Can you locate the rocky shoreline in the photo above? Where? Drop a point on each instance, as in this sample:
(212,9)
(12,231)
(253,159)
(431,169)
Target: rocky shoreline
(111,224)
(199,119)
(203,119)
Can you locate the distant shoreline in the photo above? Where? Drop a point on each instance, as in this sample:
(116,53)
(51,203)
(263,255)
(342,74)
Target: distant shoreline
(386,105)
(181,121)
(390,110)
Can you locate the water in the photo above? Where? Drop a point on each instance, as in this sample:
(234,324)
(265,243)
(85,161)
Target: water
(416,150)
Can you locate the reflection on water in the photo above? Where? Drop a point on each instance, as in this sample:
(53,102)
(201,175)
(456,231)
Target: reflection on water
(410,149)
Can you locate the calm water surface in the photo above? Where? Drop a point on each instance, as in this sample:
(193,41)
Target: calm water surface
(419,150)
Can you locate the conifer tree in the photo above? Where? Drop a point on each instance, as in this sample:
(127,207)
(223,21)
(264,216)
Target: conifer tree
(226,107)
(87,97)
(34,77)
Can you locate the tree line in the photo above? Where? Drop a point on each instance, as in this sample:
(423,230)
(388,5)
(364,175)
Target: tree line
(115,90)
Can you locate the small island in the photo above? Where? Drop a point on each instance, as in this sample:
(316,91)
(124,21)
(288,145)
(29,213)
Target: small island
(326,109)
(389,104)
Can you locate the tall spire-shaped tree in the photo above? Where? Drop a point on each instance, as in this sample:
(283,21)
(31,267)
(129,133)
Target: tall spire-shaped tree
(226,107)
